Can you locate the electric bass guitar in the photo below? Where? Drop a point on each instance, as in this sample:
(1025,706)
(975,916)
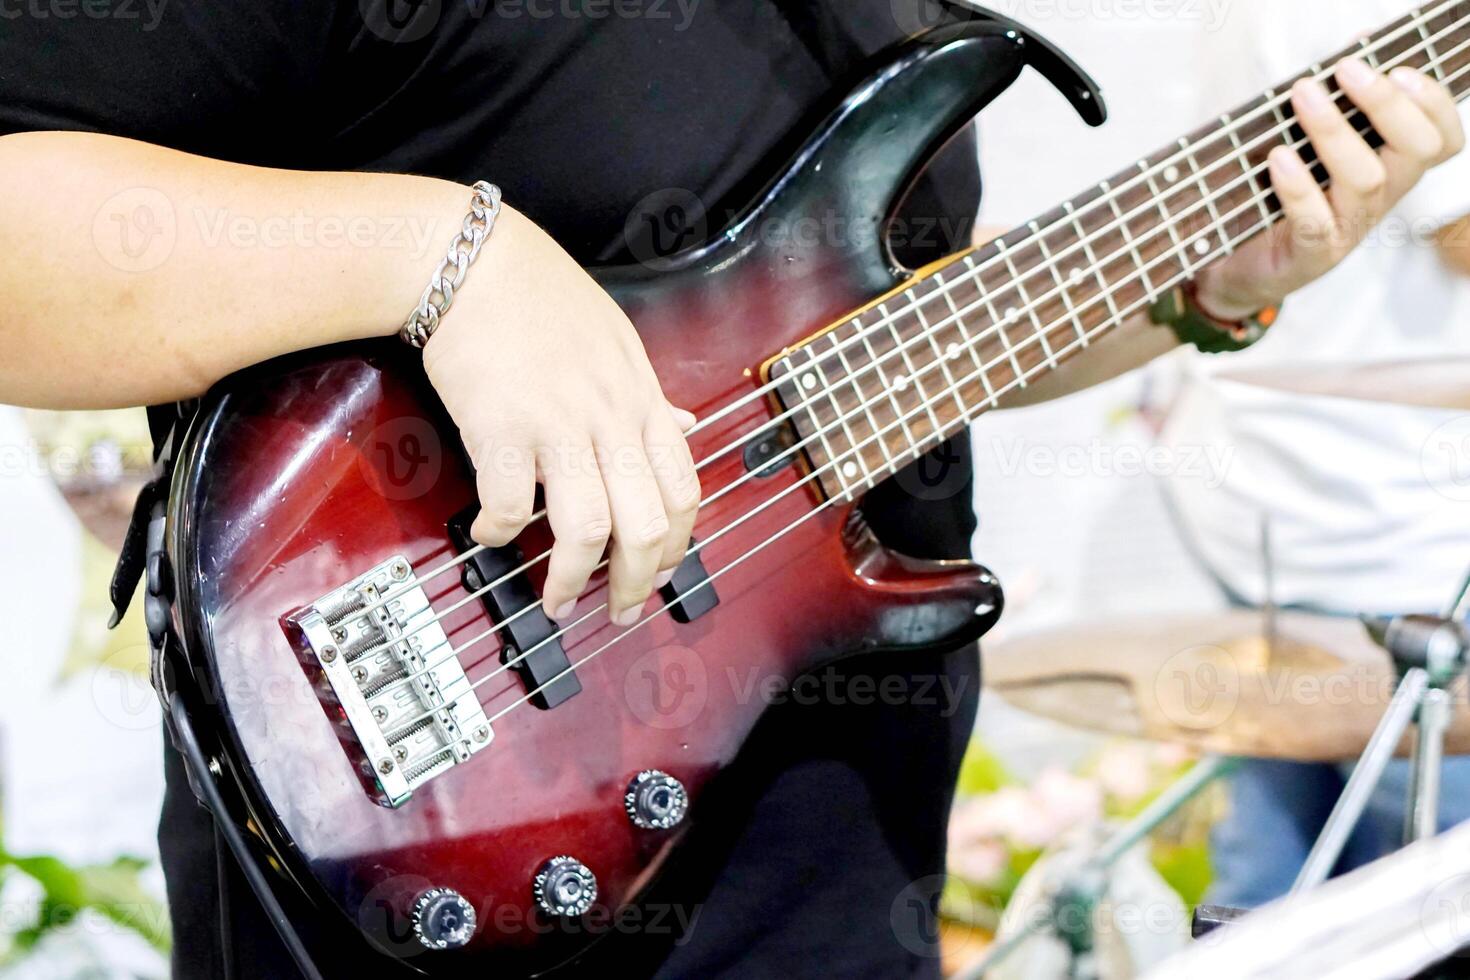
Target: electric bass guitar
(415,752)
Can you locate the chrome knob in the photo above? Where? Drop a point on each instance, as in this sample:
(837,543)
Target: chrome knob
(442,919)
(655,800)
(565,887)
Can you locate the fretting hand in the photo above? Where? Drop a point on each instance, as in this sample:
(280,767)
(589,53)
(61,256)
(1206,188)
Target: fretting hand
(1420,126)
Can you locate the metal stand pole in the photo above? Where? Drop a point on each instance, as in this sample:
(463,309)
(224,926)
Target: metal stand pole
(1072,906)
(1365,777)
(1421,816)
(1430,654)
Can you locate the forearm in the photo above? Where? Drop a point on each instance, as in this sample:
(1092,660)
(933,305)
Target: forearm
(136,275)
(1130,345)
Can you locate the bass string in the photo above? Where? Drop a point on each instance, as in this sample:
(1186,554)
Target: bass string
(864,333)
(1082,342)
(776,536)
(1155,171)
(816,473)
(1218,253)
(841,420)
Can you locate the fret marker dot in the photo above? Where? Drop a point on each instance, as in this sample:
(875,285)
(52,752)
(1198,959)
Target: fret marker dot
(1202,247)
(1011,314)
(849,469)
(1074,276)
(1172,174)
(808,381)
(901,382)
(952,352)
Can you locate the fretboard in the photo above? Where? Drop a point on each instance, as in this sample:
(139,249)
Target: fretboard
(877,391)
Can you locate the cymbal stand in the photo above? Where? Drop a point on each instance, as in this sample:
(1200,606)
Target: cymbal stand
(1429,653)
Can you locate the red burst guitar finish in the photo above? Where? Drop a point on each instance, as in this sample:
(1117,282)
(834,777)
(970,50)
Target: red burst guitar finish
(418,755)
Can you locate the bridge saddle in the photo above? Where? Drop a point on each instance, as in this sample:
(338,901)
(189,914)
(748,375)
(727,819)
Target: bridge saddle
(402,692)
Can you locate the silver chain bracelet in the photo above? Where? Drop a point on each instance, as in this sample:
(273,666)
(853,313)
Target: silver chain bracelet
(439,297)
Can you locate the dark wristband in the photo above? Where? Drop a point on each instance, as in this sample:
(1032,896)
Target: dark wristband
(1179,309)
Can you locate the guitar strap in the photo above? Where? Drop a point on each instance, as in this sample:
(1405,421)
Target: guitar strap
(143,559)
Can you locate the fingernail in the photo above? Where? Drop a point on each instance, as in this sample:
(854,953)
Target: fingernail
(627,617)
(1356,73)
(1312,96)
(564,611)
(1408,79)
(664,578)
(1289,162)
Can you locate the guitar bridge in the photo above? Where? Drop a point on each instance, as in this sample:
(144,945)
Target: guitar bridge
(401,691)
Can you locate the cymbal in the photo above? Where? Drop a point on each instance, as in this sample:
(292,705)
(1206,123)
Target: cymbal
(1215,682)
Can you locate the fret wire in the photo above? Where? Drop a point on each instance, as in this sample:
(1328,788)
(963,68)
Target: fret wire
(1368,54)
(1242,158)
(1283,125)
(1455,76)
(861,397)
(849,469)
(1256,201)
(913,375)
(819,379)
(1429,45)
(1021,382)
(718,572)
(1030,308)
(1127,234)
(998,320)
(1205,189)
(969,344)
(898,411)
(939,355)
(1128,238)
(1097,268)
(1168,222)
(1051,264)
(1385,37)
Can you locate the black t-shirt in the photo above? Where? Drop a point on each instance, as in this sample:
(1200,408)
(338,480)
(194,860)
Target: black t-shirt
(579,109)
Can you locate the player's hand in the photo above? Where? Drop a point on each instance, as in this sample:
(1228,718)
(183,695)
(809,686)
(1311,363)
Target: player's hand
(549,384)
(1417,118)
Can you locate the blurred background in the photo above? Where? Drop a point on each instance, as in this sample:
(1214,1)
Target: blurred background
(1090,514)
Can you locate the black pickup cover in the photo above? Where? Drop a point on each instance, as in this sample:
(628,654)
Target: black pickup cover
(690,592)
(529,631)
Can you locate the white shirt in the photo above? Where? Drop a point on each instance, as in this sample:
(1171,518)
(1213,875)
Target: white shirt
(1369,503)
(1368,500)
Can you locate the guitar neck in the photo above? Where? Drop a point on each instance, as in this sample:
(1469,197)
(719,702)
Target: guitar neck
(909,372)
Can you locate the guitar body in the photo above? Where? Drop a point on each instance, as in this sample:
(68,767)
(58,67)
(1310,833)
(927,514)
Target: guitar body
(302,474)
